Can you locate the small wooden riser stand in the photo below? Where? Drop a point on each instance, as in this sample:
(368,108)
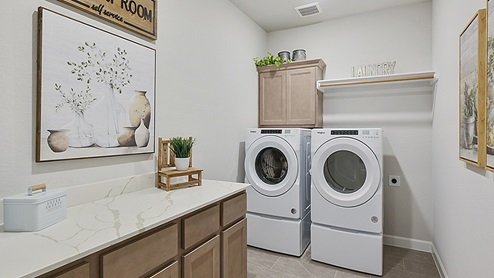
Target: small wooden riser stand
(166,159)
(167,175)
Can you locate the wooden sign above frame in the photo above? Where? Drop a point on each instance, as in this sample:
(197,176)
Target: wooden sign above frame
(136,15)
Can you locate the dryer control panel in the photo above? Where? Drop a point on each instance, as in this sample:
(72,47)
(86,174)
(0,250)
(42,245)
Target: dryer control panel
(344,132)
(271,131)
(364,133)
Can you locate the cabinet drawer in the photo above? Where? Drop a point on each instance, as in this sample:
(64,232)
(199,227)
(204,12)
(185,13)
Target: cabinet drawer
(204,261)
(200,225)
(80,271)
(170,271)
(233,209)
(137,258)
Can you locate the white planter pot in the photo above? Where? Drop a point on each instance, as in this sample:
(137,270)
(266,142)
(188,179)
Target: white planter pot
(182,163)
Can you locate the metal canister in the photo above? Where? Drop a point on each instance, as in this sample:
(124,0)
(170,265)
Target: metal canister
(284,55)
(298,55)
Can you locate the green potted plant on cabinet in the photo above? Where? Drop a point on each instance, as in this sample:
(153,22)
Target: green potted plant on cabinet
(182,147)
(270,59)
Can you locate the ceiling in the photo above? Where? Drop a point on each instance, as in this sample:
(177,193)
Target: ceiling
(274,15)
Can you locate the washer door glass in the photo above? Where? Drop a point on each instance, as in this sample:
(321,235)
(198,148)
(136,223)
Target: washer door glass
(345,172)
(271,165)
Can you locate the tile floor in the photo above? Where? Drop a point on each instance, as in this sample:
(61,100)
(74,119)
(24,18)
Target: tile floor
(398,263)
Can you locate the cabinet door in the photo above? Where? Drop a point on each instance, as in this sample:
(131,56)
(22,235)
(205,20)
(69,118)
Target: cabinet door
(301,96)
(272,98)
(204,261)
(170,271)
(234,251)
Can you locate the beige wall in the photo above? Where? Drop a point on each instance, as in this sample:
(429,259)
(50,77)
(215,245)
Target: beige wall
(463,195)
(403,35)
(206,88)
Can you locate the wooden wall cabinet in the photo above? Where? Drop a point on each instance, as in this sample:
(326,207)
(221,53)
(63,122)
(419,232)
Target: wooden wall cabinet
(208,243)
(288,96)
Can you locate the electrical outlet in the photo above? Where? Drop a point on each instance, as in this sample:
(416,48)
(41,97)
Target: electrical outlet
(394,180)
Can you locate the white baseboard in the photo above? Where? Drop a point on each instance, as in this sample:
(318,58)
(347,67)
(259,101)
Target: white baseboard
(409,243)
(439,263)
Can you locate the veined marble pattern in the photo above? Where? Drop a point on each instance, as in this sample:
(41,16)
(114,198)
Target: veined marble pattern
(85,193)
(95,225)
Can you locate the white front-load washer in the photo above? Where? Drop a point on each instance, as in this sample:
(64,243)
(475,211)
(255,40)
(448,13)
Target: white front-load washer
(278,200)
(347,198)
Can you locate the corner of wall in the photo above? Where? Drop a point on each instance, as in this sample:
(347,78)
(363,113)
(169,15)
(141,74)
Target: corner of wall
(439,262)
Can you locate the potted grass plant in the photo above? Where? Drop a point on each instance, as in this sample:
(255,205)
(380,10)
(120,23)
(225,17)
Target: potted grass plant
(181,147)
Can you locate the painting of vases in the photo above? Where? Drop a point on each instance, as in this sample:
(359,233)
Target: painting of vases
(96,91)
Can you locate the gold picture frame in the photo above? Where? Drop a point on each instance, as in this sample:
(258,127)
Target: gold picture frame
(96,92)
(472,90)
(489,97)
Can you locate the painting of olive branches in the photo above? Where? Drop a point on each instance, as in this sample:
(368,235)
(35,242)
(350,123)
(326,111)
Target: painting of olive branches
(96,92)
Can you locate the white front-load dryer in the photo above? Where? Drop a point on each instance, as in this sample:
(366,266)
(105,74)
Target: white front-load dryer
(347,198)
(276,166)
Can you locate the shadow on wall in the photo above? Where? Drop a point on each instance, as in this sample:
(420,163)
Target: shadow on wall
(403,216)
(241,162)
(397,204)
(477,170)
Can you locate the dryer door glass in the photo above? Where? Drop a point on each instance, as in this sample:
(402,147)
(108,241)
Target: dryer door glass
(271,165)
(345,172)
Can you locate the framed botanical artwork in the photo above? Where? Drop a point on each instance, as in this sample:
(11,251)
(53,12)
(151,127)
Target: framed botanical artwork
(472,88)
(490,87)
(96,92)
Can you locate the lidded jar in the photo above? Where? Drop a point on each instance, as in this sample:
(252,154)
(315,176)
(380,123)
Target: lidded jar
(298,55)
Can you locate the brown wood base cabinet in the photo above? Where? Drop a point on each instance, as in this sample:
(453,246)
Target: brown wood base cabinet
(234,250)
(288,95)
(208,243)
(204,261)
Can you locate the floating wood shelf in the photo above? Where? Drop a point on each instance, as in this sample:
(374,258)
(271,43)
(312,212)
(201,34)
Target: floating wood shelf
(415,79)
(418,83)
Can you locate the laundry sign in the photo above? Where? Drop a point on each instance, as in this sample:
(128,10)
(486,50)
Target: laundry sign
(136,15)
(384,68)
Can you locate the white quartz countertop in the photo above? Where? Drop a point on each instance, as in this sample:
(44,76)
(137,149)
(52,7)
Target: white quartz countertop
(94,226)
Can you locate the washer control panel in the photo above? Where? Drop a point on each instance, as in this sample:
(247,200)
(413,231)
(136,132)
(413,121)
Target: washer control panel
(271,131)
(344,132)
(363,133)
(370,133)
